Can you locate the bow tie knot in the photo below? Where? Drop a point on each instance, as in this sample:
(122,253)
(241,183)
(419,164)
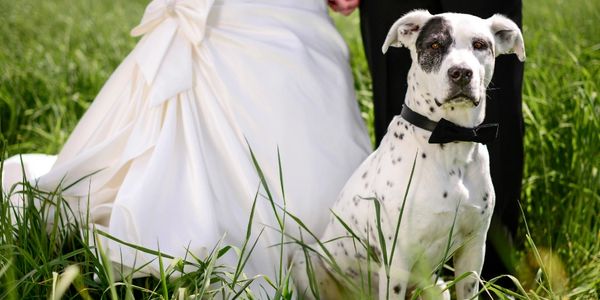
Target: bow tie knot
(445,131)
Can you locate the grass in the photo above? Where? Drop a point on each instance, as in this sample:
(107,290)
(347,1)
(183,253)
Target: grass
(561,189)
(55,55)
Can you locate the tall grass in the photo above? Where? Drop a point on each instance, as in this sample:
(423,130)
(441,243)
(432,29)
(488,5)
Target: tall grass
(562,114)
(55,55)
(39,261)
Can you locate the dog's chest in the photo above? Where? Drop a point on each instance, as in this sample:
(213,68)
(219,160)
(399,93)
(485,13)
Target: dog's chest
(447,181)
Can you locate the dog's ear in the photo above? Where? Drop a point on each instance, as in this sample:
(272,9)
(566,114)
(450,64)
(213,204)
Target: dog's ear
(507,36)
(405,30)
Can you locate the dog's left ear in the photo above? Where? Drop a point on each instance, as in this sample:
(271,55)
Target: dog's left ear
(405,30)
(507,36)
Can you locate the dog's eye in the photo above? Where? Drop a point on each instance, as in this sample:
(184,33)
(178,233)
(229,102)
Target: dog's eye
(479,45)
(435,46)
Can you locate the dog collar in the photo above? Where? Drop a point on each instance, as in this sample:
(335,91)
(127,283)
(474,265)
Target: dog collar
(445,131)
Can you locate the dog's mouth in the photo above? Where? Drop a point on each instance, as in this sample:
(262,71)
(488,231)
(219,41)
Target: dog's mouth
(461,98)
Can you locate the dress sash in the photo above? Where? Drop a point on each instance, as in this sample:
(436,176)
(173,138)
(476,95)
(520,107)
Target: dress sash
(170,29)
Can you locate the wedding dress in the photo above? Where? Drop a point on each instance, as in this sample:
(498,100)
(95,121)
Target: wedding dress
(164,148)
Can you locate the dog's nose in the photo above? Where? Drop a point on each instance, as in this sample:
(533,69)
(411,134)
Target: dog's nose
(459,75)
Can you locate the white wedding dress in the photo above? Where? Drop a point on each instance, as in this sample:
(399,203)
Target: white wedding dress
(164,148)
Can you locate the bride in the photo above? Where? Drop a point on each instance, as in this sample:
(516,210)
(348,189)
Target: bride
(164,148)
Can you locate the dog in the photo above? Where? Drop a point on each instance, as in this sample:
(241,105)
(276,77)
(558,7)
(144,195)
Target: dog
(432,167)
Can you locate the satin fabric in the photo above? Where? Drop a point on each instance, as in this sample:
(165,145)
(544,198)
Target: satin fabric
(164,148)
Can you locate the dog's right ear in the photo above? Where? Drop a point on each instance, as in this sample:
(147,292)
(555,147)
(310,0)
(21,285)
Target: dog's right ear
(404,31)
(507,35)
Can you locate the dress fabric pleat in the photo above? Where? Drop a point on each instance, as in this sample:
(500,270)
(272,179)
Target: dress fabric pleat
(164,147)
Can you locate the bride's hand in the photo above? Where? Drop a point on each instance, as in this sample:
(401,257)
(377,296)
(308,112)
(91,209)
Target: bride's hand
(344,7)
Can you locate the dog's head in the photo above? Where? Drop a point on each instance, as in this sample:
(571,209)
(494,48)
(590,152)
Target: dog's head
(453,54)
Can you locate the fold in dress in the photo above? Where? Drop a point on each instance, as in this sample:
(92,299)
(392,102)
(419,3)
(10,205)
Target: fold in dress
(164,148)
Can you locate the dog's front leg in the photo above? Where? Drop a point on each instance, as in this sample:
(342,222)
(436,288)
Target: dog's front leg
(398,281)
(326,286)
(469,258)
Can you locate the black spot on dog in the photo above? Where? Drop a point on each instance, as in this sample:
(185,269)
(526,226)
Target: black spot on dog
(445,194)
(431,109)
(372,232)
(364,175)
(452,173)
(424,155)
(374,250)
(485,197)
(470,287)
(397,289)
(433,44)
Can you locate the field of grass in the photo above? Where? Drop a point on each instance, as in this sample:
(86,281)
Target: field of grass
(55,55)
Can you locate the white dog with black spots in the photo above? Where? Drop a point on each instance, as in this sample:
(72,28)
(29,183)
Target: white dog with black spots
(450,193)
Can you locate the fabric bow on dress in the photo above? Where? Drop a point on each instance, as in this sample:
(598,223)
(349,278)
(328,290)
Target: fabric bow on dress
(164,55)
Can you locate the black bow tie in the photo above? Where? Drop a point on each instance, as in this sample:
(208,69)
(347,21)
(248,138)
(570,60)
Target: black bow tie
(445,131)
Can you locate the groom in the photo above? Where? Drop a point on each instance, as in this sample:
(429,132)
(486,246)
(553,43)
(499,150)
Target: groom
(389,74)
